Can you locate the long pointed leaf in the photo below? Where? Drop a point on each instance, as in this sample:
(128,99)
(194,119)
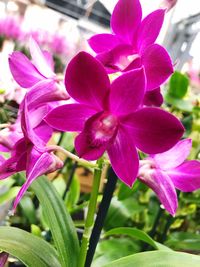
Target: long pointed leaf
(29,249)
(138,234)
(59,221)
(157,259)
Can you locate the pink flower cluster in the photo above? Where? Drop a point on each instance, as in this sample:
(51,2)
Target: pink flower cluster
(12,28)
(118,117)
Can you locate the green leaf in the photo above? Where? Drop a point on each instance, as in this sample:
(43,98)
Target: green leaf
(184,241)
(73,194)
(179,103)
(28,209)
(121,211)
(138,234)
(178,85)
(111,249)
(59,221)
(60,185)
(157,259)
(125,191)
(29,249)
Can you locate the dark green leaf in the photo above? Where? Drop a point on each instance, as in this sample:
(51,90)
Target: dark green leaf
(125,191)
(59,221)
(121,211)
(29,249)
(184,241)
(28,209)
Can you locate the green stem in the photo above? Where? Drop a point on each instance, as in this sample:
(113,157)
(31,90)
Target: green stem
(90,215)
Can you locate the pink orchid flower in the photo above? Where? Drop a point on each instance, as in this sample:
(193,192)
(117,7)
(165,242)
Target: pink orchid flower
(30,153)
(131,45)
(109,118)
(38,75)
(169,170)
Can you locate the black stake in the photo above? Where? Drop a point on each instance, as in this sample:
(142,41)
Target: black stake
(101,215)
(70,179)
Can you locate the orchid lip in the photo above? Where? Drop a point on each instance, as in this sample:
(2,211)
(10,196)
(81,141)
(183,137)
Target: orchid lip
(125,60)
(103,129)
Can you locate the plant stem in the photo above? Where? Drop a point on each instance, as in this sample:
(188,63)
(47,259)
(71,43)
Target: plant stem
(101,215)
(83,162)
(90,215)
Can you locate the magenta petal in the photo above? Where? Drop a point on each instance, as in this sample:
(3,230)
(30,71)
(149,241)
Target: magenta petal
(175,156)
(38,113)
(116,59)
(127,92)
(41,166)
(44,132)
(69,117)
(1,160)
(86,81)
(87,151)
(17,161)
(4,148)
(28,130)
(126,18)
(162,185)
(150,28)
(154,130)
(186,177)
(153,98)
(124,158)
(49,59)
(8,167)
(157,64)
(43,92)
(40,93)
(103,42)
(23,71)
(39,60)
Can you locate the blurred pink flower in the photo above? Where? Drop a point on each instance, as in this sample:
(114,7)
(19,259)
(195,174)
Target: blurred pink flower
(169,170)
(168,4)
